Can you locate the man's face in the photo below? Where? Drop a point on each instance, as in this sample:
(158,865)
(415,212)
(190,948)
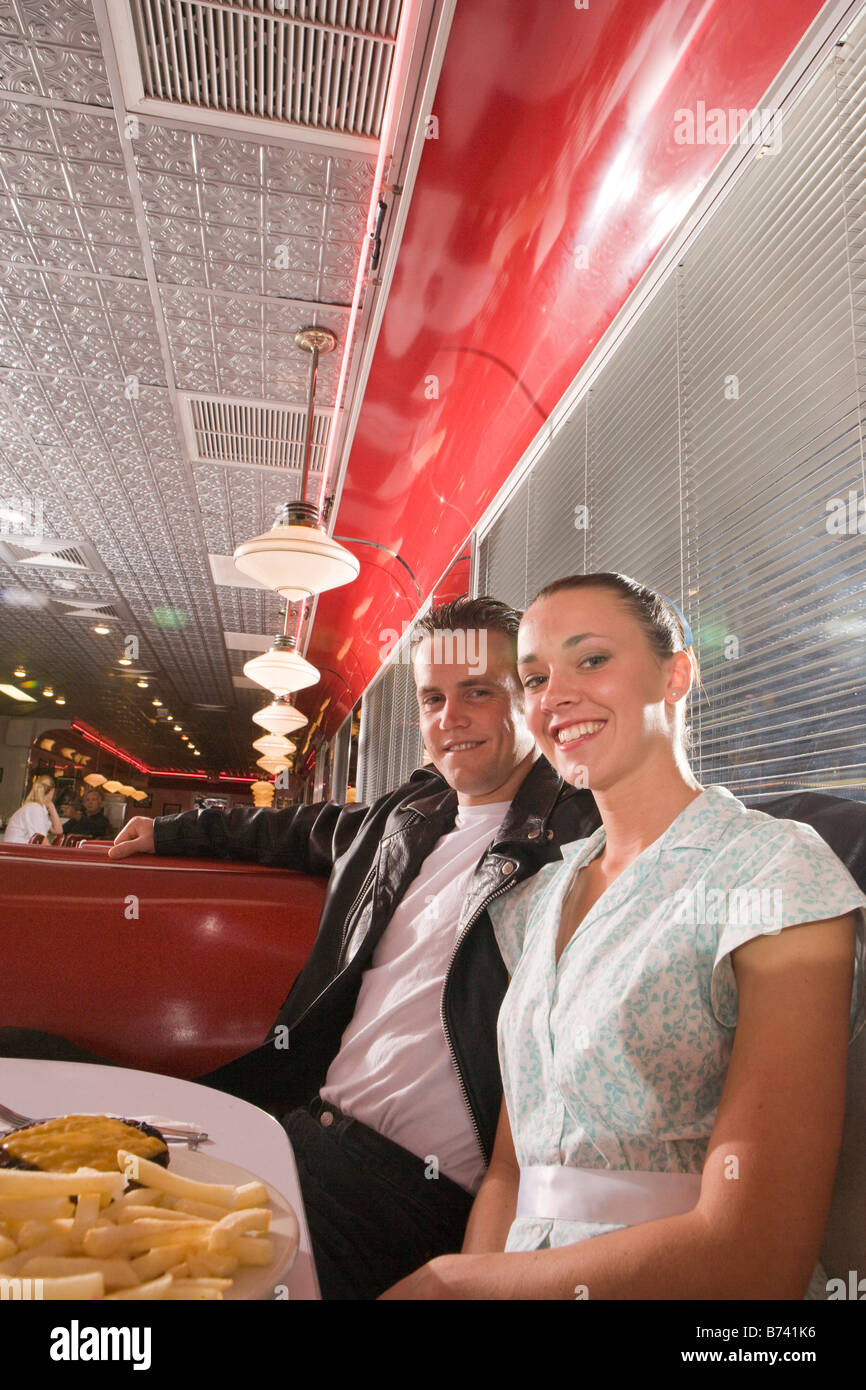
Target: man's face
(471,714)
(92,803)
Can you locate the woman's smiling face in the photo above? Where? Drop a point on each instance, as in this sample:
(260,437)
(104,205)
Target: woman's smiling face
(599,702)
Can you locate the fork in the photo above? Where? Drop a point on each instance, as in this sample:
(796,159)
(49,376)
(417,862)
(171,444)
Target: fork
(172,1135)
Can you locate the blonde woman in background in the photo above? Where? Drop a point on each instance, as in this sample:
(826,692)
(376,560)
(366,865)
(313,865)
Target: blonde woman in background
(36,815)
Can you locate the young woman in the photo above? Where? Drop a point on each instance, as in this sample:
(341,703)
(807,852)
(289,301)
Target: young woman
(36,815)
(673,1041)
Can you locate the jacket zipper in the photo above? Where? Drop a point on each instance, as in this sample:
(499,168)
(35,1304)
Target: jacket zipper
(472,920)
(371,874)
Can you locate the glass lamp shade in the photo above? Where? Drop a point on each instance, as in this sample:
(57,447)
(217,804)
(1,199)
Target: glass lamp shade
(111,787)
(139,795)
(297,557)
(279,717)
(94,779)
(274,745)
(282,669)
(272,764)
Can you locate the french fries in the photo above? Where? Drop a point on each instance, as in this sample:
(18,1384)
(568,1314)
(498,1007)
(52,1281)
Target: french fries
(174,1238)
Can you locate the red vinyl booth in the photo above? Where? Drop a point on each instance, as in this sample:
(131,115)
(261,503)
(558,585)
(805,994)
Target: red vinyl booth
(163,964)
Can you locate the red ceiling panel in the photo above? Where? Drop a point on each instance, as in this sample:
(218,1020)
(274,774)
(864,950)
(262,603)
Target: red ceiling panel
(554,178)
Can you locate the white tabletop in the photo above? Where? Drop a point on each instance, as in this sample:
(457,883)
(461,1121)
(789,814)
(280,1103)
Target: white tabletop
(239,1132)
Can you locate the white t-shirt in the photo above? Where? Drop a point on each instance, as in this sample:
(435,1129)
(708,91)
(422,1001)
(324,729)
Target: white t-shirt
(394,1070)
(29,819)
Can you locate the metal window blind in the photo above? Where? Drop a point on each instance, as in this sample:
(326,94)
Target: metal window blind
(712,442)
(391,747)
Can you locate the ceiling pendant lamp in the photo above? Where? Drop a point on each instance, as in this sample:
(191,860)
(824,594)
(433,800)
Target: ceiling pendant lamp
(280,717)
(276,745)
(94,779)
(296,556)
(281,670)
(273,764)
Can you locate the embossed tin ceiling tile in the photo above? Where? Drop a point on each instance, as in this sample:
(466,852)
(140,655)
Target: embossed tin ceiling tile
(20,282)
(110,224)
(25,127)
(289,215)
(229,204)
(184,304)
(297,170)
(294,252)
(117,260)
(163,147)
(229,243)
(335,290)
(69,23)
(37,175)
(101,184)
(235,275)
(340,259)
(240,340)
(72,74)
(351,179)
(126,294)
(45,217)
(179,270)
(190,336)
(347,222)
(233,310)
(175,235)
(289,284)
(169,196)
(223,160)
(93,139)
(16,67)
(64,253)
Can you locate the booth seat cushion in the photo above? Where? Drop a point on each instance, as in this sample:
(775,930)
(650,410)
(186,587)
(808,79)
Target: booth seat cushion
(842,823)
(166,965)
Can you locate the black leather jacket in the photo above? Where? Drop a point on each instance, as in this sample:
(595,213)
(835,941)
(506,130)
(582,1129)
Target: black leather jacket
(370,856)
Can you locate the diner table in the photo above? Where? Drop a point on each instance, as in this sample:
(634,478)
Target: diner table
(238,1132)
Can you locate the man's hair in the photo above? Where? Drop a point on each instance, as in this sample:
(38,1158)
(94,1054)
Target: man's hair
(462,614)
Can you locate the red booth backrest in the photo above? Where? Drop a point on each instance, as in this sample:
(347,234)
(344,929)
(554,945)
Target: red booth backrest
(164,964)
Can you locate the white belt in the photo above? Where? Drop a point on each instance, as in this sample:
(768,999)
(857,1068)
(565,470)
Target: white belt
(607,1196)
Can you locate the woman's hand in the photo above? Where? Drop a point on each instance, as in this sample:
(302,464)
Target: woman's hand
(439,1279)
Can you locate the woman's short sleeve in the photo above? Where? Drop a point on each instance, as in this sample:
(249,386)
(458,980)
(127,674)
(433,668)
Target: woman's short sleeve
(798,879)
(509,915)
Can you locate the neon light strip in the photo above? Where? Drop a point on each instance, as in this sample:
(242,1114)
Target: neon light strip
(93,737)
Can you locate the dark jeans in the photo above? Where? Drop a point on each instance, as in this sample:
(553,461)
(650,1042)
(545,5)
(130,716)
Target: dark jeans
(373,1215)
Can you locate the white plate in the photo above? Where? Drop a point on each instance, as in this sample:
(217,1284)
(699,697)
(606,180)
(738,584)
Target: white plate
(250,1281)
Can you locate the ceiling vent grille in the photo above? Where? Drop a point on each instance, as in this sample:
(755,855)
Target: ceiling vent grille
(323,64)
(65,557)
(252,434)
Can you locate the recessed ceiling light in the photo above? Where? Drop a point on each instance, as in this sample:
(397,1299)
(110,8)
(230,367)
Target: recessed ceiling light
(48,692)
(16,694)
(142,685)
(196,753)
(177,728)
(20,672)
(158,703)
(184,738)
(102,629)
(60,700)
(124,661)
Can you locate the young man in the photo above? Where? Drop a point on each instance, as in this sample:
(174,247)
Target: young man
(384,1053)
